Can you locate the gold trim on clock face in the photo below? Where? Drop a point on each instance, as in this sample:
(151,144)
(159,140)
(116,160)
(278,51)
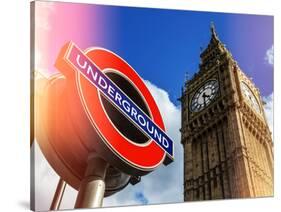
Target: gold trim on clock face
(249,96)
(204,95)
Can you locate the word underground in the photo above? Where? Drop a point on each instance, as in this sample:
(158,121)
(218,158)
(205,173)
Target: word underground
(116,96)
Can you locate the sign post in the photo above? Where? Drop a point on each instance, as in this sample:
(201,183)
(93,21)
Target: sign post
(92,188)
(58,195)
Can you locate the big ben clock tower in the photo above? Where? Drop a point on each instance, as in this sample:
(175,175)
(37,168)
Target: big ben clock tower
(228,150)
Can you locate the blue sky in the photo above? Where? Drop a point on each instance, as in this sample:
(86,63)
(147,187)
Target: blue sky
(162,45)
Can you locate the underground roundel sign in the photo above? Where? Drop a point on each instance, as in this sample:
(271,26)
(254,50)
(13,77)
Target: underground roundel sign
(130,132)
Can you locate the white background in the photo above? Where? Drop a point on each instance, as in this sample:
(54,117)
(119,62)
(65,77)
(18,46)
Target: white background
(14,112)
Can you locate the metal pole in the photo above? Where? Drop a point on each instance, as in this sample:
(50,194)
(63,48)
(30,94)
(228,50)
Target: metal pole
(58,195)
(92,188)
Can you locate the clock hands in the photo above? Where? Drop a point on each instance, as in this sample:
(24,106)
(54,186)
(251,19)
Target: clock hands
(204,97)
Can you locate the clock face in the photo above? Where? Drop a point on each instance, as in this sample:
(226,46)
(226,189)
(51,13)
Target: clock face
(204,95)
(250,97)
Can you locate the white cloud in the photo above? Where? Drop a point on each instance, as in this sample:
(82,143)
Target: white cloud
(268,109)
(161,186)
(165,184)
(269,56)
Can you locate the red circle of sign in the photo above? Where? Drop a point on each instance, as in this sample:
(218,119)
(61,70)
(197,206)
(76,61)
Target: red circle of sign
(146,156)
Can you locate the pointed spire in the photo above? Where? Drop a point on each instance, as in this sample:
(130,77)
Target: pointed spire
(186,76)
(213,31)
(186,79)
(213,43)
